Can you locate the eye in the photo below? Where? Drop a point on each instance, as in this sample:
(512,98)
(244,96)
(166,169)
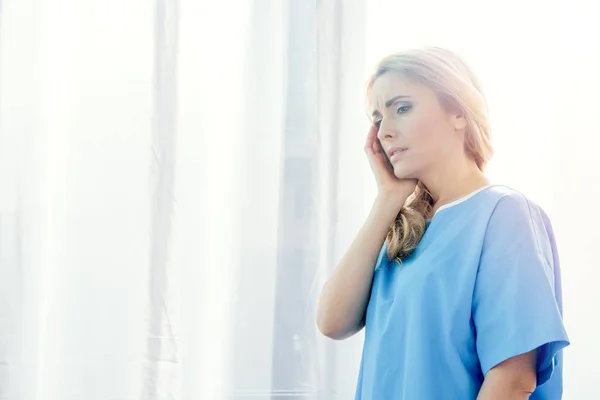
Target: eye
(404,109)
(377,123)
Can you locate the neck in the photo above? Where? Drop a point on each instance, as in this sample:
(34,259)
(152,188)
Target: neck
(453,180)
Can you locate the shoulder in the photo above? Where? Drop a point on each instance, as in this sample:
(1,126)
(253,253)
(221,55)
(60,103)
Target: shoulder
(506,193)
(497,206)
(509,204)
(517,221)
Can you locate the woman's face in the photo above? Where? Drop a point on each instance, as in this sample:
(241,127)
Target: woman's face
(411,119)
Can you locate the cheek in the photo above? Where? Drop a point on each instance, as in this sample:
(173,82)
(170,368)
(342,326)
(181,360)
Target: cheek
(424,134)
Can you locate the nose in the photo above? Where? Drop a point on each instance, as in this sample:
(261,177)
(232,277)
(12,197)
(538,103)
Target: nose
(386,131)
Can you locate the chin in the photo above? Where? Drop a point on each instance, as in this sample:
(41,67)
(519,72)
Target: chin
(403,173)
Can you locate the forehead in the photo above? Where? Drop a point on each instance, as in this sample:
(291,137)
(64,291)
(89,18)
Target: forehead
(390,85)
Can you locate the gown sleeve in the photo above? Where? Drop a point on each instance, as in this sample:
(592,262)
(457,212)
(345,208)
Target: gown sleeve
(382,257)
(517,304)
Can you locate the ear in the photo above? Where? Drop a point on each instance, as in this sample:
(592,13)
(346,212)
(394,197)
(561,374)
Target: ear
(459,122)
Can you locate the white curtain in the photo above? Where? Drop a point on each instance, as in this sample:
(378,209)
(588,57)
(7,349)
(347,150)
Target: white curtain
(178,178)
(172,196)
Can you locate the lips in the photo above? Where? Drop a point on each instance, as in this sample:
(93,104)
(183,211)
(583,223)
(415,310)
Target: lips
(395,150)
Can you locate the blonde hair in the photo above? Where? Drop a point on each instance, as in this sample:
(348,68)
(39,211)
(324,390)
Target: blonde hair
(457,89)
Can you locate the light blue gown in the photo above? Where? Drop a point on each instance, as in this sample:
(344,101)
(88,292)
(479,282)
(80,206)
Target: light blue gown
(482,286)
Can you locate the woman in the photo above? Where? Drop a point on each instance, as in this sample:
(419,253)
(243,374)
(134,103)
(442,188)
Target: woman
(456,280)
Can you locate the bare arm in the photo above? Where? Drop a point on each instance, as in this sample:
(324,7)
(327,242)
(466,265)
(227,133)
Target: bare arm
(344,298)
(513,379)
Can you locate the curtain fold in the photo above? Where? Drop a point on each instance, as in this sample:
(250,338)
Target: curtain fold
(162,371)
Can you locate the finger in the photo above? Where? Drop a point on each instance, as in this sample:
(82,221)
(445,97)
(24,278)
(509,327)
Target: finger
(369,141)
(383,155)
(379,146)
(376,145)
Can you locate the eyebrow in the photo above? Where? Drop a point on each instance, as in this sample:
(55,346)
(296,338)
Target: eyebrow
(390,102)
